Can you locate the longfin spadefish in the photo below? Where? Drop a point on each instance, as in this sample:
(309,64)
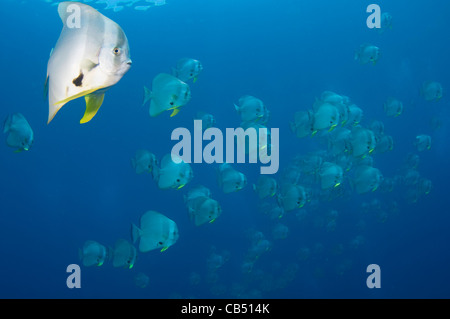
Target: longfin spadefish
(175,112)
(93,103)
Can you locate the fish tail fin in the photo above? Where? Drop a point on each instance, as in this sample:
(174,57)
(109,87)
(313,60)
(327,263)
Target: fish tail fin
(135,233)
(109,253)
(292,126)
(155,173)
(280,200)
(147,95)
(219,179)
(7,123)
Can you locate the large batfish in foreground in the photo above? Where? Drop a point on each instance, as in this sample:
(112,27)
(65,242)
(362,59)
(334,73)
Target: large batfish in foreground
(91,55)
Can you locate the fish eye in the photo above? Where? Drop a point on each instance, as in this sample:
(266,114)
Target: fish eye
(178,180)
(171,103)
(116,51)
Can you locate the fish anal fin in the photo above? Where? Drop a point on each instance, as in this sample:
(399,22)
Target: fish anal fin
(93,103)
(76,96)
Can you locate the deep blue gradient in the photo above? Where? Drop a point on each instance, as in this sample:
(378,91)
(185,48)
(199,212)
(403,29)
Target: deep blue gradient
(76,182)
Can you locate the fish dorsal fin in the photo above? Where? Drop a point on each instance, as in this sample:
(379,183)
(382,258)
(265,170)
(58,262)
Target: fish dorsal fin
(167,160)
(46,88)
(66,13)
(93,103)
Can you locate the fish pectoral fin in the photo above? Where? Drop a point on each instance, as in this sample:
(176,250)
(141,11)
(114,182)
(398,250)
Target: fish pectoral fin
(88,65)
(175,112)
(93,103)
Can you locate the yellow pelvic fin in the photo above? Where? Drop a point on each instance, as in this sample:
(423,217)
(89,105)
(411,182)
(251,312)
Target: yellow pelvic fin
(164,249)
(76,96)
(175,112)
(195,79)
(93,103)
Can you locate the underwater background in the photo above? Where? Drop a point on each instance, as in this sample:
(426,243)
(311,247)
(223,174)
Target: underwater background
(76,183)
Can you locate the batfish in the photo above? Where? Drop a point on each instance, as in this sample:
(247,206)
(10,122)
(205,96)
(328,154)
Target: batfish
(91,55)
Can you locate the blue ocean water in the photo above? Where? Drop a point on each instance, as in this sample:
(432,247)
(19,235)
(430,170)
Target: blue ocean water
(76,183)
